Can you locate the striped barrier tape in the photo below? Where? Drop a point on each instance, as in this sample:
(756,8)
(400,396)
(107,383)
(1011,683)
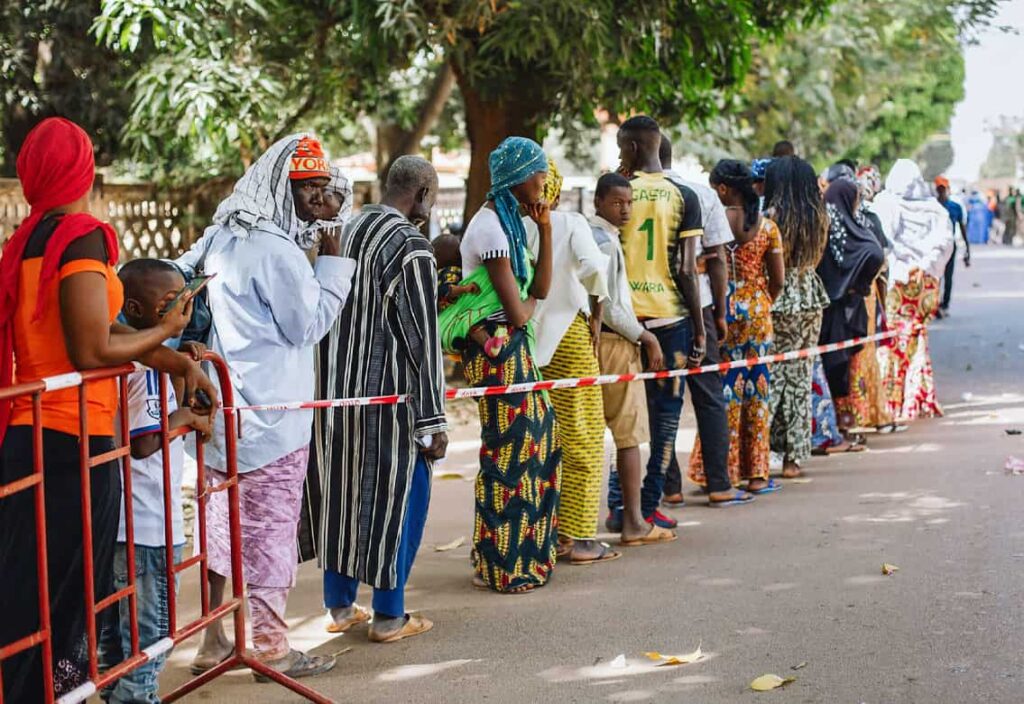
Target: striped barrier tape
(580,382)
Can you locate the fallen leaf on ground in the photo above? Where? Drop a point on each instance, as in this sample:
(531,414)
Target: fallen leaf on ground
(765,683)
(458,542)
(619,662)
(448,475)
(1014,465)
(1013,431)
(888,569)
(799,666)
(341,652)
(686,659)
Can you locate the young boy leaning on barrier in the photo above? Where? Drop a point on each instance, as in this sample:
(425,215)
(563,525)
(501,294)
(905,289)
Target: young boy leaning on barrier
(149,284)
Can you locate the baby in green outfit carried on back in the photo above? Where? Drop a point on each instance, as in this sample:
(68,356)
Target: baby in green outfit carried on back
(464,304)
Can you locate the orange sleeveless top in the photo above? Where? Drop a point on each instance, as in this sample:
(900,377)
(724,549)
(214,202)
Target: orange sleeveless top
(40,351)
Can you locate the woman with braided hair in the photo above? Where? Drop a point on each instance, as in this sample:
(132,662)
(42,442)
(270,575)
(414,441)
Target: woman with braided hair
(793,200)
(756,271)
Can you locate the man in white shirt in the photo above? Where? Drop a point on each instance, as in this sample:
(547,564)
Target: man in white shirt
(269,309)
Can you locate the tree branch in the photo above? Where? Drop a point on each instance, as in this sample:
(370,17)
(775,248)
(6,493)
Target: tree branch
(398,142)
(319,46)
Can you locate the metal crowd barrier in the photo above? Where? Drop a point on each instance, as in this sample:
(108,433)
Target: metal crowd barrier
(35,482)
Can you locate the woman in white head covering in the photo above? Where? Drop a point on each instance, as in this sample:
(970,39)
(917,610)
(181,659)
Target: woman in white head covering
(919,229)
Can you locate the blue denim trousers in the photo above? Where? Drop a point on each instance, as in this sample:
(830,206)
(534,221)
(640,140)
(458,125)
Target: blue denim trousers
(340,590)
(115,642)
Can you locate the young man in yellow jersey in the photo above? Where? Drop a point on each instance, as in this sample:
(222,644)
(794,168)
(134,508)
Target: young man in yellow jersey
(659,243)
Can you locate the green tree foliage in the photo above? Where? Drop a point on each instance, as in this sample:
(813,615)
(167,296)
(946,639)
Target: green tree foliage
(871,82)
(231,72)
(50,65)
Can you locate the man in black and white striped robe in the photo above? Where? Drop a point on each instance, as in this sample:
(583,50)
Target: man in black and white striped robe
(369,476)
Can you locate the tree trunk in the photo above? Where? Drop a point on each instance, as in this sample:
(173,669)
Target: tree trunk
(393,141)
(489,120)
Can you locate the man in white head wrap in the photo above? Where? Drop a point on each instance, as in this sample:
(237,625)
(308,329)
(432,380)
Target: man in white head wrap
(269,310)
(922,241)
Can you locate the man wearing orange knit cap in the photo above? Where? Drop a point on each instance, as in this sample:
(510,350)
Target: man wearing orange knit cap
(270,308)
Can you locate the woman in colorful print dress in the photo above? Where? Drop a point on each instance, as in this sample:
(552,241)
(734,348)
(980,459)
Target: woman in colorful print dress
(922,242)
(756,273)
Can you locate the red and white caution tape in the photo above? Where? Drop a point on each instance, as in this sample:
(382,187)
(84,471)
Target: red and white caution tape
(580,382)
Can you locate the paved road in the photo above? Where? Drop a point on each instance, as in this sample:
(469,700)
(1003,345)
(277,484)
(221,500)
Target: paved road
(794,579)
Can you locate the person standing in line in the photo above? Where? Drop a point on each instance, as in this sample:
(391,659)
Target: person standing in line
(517,488)
(659,244)
(706,391)
(568,323)
(375,461)
(757,275)
(793,201)
(622,337)
(269,309)
(59,301)
(922,242)
(956,219)
(783,148)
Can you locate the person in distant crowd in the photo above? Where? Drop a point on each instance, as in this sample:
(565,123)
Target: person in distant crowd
(373,463)
(758,169)
(1010,214)
(793,201)
(59,301)
(757,272)
(149,285)
(959,223)
(720,229)
(865,405)
(517,488)
(842,169)
(852,260)
(783,148)
(979,219)
(568,324)
(922,242)
(660,244)
(269,310)
(622,337)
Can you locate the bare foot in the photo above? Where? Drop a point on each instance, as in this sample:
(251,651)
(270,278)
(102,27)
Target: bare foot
(757,484)
(791,470)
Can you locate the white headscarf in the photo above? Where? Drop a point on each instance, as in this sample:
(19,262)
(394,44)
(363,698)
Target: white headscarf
(917,225)
(263,194)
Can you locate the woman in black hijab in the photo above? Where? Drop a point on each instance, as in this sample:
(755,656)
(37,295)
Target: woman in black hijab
(848,268)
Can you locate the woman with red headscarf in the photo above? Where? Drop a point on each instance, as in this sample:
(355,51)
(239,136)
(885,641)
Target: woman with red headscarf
(59,296)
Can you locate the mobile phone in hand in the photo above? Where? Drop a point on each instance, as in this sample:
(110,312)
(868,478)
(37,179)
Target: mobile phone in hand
(193,287)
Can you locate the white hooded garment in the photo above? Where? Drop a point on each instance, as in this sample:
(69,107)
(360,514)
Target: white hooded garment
(916,224)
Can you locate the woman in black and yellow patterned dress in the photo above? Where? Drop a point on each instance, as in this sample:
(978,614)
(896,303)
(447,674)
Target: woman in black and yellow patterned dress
(516,527)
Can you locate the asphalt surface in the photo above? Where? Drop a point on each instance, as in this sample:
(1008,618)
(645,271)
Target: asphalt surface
(793,581)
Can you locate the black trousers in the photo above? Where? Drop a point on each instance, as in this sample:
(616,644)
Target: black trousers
(708,398)
(947,279)
(19,581)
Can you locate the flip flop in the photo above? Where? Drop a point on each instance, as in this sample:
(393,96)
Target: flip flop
(300,665)
(656,535)
(741,498)
(414,625)
(771,487)
(674,502)
(607,555)
(359,615)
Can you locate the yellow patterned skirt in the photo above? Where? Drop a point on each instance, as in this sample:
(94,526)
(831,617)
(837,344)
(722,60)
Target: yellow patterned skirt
(515,525)
(580,425)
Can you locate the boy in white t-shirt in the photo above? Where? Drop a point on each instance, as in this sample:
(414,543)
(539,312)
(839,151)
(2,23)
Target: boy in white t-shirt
(149,284)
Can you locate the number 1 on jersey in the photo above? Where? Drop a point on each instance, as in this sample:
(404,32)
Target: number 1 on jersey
(648,227)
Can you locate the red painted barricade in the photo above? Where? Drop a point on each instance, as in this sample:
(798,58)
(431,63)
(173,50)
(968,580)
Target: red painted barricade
(35,482)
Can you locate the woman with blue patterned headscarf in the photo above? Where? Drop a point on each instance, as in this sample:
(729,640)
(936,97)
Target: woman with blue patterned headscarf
(517,488)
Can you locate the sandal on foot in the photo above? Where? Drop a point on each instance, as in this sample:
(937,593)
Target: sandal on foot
(771,487)
(563,548)
(359,615)
(657,534)
(674,500)
(521,589)
(201,664)
(606,555)
(845,446)
(738,499)
(297,664)
(414,625)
